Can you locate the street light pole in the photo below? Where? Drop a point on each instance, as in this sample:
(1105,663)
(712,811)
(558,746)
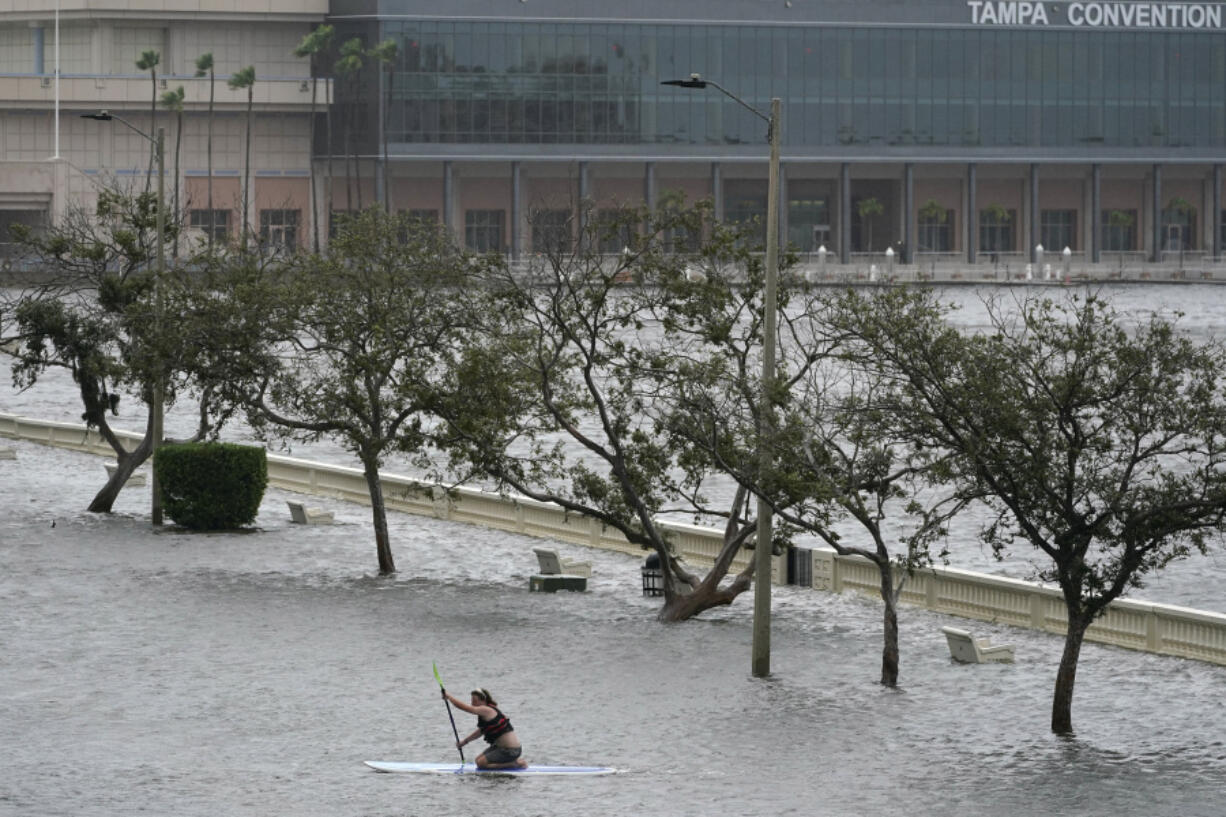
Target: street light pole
(157,408)
(761,651)
(159,381)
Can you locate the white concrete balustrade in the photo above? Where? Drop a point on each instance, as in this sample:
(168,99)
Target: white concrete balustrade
(1158,628)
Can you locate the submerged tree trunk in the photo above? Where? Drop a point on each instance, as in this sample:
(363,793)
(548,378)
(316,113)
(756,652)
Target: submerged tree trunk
(682,606)
(378,513)
(889,630)
(125,463)
(1066,677)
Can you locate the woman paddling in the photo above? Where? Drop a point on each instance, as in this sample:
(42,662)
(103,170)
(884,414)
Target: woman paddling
(504,750)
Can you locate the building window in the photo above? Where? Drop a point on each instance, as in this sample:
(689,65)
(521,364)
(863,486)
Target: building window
(551,231)
(1119,230)
(338,220)
(614,230)
(748,212)
(279,229)
(936,231)
(415,222)
(808,223)
(996,233)
(1178,226)
(483,230)
(429,217)
(216,222)
(36,220)
(1058,229)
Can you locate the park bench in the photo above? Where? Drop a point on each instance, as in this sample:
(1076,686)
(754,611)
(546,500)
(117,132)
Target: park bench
(557,573)
(133,479)
(308,516)
(552,565)
(967,649)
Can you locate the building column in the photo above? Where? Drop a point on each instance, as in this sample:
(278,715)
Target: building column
(1096,213)
(1034,213)
(649,186)
(1156,206)
(972,213)
(844,213)
(517,230)
(449,220)
(717,190)
(585,194)
(908,206)
(380,192)
(1217,212)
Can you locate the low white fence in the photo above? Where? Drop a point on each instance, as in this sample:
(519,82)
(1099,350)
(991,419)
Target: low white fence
(1158,628)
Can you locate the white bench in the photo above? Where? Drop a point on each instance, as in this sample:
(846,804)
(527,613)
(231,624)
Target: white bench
(967,649)
(133,478)
(308,516)
(552,565)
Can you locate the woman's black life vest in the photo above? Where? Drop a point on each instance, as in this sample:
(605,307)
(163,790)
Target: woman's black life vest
(495,727)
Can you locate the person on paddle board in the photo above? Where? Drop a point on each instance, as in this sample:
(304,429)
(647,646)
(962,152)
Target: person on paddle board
(504,750)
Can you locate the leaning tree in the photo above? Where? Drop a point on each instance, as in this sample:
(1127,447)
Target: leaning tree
(553,398)
(833,453)
(97,316)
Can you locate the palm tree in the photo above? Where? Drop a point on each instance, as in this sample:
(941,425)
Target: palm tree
(149,62)
(385,53)
(312,45)
(348,66)
(239,80)
(173,101)
(204,67)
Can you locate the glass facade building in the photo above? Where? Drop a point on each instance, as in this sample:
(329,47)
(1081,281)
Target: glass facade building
(598,83)
(986,127)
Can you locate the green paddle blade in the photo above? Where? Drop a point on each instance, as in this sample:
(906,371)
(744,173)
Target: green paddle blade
(440,680)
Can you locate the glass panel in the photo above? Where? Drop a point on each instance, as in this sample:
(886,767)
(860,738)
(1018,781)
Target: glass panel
(483,230)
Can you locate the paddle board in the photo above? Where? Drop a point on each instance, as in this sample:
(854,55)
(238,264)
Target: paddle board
(469,768)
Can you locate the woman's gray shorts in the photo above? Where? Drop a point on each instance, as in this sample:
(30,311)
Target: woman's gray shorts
(497,754)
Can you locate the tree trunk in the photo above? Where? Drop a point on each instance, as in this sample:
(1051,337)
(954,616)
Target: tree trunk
(1066,677)
(684,606)
(387,175)
(311,164)
(889,630)
(178,148)
(125,464)
(378,513)
(328,196)
(247,168)
(209,151)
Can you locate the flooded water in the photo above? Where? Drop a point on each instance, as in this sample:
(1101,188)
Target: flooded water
(158,672)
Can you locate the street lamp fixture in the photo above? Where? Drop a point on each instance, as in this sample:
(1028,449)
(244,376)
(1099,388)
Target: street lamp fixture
(159,384)
(761,650)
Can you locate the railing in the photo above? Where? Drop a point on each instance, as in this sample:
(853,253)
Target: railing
(1158,628)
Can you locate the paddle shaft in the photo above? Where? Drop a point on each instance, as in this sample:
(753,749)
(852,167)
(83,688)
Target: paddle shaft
(455,731)
(450,716)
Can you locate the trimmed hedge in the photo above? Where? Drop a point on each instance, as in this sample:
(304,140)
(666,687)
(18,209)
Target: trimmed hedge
(211,486)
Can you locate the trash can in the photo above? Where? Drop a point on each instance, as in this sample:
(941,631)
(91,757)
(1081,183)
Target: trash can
(653,576)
